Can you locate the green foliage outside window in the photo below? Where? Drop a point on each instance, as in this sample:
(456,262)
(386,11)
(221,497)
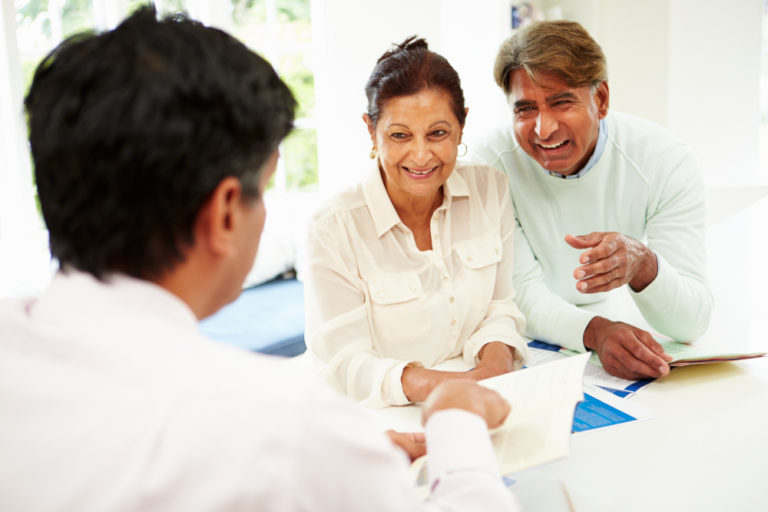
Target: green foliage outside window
(287,45)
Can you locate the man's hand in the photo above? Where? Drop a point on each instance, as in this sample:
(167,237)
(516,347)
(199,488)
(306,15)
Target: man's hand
(625,350)
(412,443)
(468,395)
(612,260)
(495,358)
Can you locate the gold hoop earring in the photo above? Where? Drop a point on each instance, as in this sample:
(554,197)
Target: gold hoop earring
(466,150)
(374,153)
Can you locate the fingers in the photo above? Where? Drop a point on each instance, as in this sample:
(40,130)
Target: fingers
(654,346)
(466,394)
(602,282)
(632,353)
(498,408)
(606,266)
(584,241)
(412,443)
(608,244)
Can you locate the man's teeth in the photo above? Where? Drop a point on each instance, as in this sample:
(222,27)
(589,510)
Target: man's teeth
(414,171)
(553,146)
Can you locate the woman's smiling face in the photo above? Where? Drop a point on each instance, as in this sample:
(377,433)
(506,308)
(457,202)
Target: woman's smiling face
(417,138)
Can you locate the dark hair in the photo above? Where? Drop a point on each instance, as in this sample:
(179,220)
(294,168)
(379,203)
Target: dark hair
(133,129)
(408,68)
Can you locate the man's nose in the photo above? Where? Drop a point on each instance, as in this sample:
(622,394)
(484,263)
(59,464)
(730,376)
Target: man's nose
(546,125)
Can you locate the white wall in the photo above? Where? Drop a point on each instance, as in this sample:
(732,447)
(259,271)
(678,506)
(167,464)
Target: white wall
(690,65)
(714,85)
(352,34)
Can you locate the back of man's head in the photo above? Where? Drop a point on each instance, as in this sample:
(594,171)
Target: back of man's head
(564,48)
(133,129)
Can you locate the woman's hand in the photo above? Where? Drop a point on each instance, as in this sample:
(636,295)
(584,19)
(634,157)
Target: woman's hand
(495,358)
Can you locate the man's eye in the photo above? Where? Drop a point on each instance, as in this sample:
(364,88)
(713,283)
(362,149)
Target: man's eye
(519,111)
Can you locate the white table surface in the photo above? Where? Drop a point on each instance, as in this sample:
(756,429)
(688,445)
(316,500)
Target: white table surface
(707,448)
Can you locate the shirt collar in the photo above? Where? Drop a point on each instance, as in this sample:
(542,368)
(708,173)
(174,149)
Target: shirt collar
(596,154)
(383,211)
(117,292)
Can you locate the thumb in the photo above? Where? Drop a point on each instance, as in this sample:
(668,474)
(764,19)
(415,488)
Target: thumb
(584,241)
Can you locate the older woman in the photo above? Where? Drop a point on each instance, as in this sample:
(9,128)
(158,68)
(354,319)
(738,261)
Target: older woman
(413,266)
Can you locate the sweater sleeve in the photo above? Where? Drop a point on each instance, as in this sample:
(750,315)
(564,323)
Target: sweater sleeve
(337,330)
(678,302)
(549,317)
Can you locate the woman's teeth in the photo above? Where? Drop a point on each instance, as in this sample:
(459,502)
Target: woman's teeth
(414,171)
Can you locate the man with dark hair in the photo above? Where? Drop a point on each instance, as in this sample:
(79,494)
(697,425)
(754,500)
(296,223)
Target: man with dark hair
(602,199)
(152,144)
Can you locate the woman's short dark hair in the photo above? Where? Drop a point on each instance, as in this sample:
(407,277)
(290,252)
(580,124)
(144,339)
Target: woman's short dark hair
(408,68)
(133,129)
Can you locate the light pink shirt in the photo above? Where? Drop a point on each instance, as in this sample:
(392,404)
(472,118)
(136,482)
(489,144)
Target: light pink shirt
(376,303)
(110,399)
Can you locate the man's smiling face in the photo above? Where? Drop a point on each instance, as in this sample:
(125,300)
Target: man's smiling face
(556,124)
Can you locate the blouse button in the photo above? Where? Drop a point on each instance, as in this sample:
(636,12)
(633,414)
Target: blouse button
(452,300)
(453,322)
(469,258)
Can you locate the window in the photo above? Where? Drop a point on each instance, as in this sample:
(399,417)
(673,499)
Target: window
(764,94)
(279,30)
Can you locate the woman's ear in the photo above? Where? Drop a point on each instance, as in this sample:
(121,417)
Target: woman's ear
(371,128)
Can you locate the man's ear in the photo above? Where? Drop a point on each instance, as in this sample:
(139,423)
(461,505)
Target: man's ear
(219,217)
(602,95)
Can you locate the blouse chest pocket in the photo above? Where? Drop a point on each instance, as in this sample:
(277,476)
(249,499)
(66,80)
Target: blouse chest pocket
(398,307)
(481,251)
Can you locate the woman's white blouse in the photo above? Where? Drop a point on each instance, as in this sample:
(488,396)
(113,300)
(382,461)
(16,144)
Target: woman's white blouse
(375,303)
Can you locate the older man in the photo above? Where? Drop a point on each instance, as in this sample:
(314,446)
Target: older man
(602,199)
(153,144)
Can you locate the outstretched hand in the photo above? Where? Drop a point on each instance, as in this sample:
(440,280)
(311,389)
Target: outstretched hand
(612,260)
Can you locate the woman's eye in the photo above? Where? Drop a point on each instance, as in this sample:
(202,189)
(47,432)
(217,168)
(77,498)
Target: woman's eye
(398,135)
(439,133)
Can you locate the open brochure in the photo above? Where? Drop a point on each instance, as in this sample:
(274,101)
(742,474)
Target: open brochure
(538,429)
(684,354)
